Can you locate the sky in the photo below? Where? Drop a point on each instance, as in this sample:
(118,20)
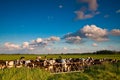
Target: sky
(59,26)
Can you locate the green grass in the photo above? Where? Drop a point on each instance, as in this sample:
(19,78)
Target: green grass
(97,72)
(23,74)
(31,56)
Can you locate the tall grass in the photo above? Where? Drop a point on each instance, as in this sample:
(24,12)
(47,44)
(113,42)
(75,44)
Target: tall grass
(106,71)
(23,74)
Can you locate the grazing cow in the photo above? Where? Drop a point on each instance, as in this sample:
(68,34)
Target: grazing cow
(10,64)
(97,61)
(39,62)
(2,64)
(49,64)
(29,63)
(76,64)
(64,65)
(88,62)
(18,63)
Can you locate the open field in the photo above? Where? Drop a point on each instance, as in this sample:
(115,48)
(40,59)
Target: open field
(33,56)
(106,71)
(96,72)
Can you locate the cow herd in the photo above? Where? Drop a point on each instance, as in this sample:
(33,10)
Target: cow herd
(55,65)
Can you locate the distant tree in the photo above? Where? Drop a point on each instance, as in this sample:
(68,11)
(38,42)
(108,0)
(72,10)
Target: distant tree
(105,52)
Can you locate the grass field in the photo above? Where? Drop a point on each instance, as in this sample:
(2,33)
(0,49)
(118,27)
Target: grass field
(98,72)
(33,56)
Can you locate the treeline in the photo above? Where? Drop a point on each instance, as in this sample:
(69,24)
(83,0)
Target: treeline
(106,52)
(97,52)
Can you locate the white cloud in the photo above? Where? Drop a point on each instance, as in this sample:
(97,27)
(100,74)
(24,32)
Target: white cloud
(32,45)
(25,44)
(43,42)
(95,33)
(115,32)
(54,38)
(75,39)
(11,46)
(38,40)
(89,31)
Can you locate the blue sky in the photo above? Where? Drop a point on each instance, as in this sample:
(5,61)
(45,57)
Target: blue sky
(56,26)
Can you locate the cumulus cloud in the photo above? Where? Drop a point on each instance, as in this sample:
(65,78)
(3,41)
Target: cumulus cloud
(74,34)
(115,32)
(89,31)
(54,38)
(38,40)
(95,44)
(11,46)
(86,13)
(95,33)
(34,44)
(76,39)
(42,42)
(38,43)
(25,44)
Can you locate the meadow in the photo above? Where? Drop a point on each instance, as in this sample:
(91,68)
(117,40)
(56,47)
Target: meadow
(33,56)
(96,72)
(106,71)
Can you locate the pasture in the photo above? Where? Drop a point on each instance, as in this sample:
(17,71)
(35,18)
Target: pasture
(97,72)
(106,71)
(33,56)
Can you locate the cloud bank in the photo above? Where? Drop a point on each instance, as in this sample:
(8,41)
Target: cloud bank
(39,42)
(11,46)
(54,44)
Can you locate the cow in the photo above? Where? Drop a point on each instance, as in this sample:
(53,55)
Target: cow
(2,64)
(10,63)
